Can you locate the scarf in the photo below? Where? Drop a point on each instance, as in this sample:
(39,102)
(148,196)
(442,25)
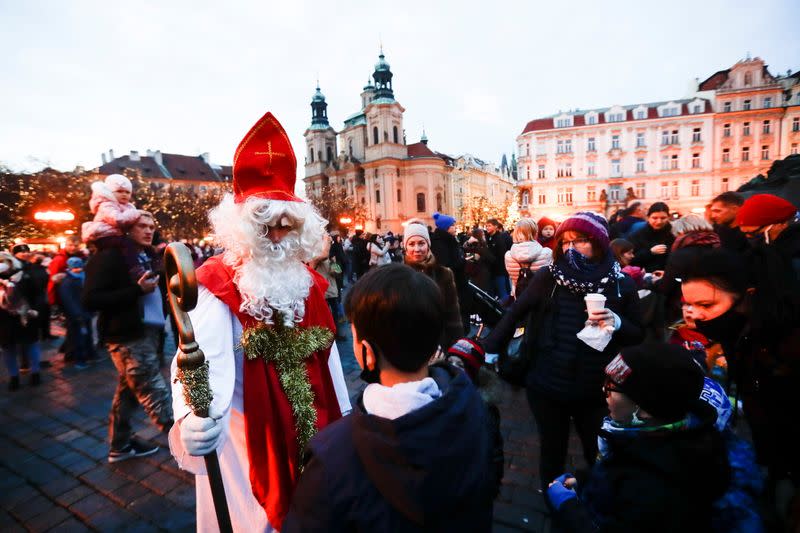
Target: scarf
(574,272)
(703,238)
(638,427)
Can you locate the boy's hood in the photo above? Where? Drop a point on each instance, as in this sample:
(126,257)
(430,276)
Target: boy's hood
(433,459)
(526,252)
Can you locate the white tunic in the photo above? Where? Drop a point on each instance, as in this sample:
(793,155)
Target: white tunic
(218,331)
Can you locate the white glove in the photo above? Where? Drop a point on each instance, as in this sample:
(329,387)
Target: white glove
(491,358)
(201,436)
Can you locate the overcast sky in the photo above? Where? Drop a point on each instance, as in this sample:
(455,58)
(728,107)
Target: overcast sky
(188,77)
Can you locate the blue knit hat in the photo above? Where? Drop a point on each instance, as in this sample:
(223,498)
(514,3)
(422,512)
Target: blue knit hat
(74,262)
(442,221)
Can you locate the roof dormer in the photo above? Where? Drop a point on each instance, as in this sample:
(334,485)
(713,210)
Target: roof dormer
(640,112)
(564,120)
(616,114)
(670,109)
(591,118)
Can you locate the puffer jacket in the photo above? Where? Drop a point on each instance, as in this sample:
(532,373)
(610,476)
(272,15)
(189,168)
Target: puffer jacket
(523,254)
(443,276)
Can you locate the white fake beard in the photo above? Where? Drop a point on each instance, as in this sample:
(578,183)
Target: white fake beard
(275,280)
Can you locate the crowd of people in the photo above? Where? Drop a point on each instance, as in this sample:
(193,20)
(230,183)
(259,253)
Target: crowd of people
(650,332)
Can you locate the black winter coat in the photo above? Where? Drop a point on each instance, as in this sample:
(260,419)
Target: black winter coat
(564,367)
(499,244)
(659,481)
(11,329)
(109,290)
(429,470)
(449,253)
(646,238)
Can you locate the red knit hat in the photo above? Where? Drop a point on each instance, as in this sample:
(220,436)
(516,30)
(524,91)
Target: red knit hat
(264,164)
(544,221)
(471,354)
(764,209)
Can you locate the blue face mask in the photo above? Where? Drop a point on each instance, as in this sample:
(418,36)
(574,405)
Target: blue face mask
(577,260)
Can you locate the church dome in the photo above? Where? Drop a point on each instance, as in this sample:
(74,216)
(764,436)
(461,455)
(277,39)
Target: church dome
(382,65)
(318,96)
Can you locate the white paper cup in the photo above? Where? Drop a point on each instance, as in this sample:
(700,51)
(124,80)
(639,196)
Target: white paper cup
(594,301)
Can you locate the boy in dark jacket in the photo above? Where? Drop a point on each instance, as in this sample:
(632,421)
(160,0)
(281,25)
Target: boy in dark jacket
(416,453)
(78,319)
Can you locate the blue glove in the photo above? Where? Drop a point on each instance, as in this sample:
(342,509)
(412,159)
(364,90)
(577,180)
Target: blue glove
(557,493)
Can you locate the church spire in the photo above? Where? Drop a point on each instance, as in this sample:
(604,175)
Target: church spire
(383,78)
(319,110)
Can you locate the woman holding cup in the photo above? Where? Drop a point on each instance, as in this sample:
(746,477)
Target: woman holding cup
(565,378)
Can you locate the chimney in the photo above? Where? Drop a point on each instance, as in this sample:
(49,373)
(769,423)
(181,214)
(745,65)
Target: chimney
(157,157)
(135,155)
(110,155)
(150,152)
(205,157)
(103,157)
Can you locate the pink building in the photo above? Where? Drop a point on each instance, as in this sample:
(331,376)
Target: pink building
(683,151)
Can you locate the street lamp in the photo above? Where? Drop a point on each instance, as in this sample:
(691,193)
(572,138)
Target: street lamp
(345,220)
(54,216)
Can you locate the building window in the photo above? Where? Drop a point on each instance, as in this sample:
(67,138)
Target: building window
(377,196)
(695,187)
(664,162)
(439,201)
(696,135)
(311,155)
(564,122)
(560,196)
(591,120)
(726,107)
(673,162)
(765,152)
(641,114)
(746,106)
(591,194)
(615,192)
(541,174)
(793,150)
(616,117)
(796,124)
(767,102)
(674,190)
(748,79)
(542,199)
(746,153)
(399,195)
(421,202)
(640,139)
(664,137)
(375,135)
(525,198)
(615,142)
(726,130)
(394,135)
(746,129)
(590,170)
(695,160)
(616,167)
(568,146)
(665,190)
(726,155)
(568,170)
(673,139)
(724,185)
(669,112)
(697,108)
(527,172)
(527,149)
(559,147)
(766,127)
(329,153)
(640,164)
(640,190)
(568,196)
(590,146)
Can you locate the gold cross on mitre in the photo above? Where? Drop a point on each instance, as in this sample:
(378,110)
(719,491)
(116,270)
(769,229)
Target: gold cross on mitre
(270,153)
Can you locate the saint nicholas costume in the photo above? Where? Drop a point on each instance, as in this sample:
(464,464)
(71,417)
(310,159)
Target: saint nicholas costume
(276,385)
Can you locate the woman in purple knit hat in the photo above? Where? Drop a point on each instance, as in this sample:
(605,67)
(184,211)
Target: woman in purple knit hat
(565,378)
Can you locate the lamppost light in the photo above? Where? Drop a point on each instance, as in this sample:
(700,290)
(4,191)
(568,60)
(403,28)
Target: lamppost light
(53,216)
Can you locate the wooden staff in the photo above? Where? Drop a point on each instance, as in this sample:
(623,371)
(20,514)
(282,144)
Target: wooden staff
(193,372)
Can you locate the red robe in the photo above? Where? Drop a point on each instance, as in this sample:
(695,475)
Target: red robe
(272,445)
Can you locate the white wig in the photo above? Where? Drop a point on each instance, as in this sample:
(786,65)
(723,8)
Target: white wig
(270,276)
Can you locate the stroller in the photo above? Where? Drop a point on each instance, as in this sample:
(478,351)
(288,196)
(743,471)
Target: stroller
(486,307)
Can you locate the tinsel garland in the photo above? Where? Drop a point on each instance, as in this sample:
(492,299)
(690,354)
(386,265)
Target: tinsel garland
(288,349)
(196,391)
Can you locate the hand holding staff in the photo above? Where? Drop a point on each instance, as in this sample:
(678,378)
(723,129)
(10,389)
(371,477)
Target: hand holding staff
(192,367)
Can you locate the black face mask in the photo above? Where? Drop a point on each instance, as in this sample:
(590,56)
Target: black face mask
(367,375)
(726,326)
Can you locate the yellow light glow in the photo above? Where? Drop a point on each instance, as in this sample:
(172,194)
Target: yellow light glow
(53,216)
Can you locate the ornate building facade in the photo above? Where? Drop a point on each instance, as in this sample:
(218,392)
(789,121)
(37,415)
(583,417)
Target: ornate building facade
(683,151)
(370,160)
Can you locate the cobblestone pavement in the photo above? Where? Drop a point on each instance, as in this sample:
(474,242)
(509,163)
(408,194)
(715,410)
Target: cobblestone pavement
(54,474)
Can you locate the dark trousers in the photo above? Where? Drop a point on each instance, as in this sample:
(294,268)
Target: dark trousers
(552,421)
(79,330)
(139,383)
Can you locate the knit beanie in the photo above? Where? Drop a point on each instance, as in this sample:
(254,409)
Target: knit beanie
(118,181)
(416,229)
(74,262)
(442,221)
(471,353)
(588,223)
(658,207)
(765,209)
(544,221)
(663,379)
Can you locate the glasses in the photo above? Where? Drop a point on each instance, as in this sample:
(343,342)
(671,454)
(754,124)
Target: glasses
(575,242)
(609,387)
